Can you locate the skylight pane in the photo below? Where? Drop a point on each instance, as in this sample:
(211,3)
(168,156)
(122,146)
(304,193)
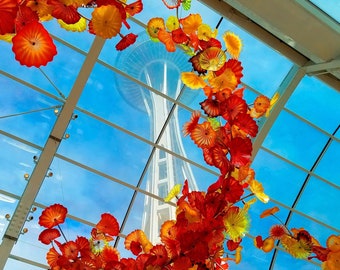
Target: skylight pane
(328,167)
(105,148)
(106,99)
(317,103)
(313,202)
(284,259)
(13,264)
(13,169)
(289,136)
(277,174)
(26,114)
(84,193)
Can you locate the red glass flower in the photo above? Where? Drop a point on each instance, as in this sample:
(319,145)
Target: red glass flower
(53,216)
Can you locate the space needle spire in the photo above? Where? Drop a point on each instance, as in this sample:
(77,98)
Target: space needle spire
(151,64)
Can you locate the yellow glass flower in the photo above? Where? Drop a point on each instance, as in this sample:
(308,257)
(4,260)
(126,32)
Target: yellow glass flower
(106,21)
(258,190)
(236,222)
(297,248)
(212,59)
(191,23)
(172,23)
(154,25)
(233,44)
(192,80)
(273,101)
(226,80)
(79,26)
(204,32)
(173,193)
(7,37)
(249,203)
(41,7)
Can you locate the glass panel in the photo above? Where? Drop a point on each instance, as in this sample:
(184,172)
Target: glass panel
(93,192)
(317,103)
(105,148)
(295,140)
(275,174)
(313,202)
(328,167)
(16,164)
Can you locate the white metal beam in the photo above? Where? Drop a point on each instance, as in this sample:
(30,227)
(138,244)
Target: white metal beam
(285,90)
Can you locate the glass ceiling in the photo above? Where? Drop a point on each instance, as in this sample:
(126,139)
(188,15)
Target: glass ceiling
(114,137)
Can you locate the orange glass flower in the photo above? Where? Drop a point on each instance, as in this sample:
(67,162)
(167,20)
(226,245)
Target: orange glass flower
(235,66)
(110,253)
(211,107)
(168,230)
(106,21)
(70,250)
(333,243)
(166,38)
(33,46)
(203,135)
(52,257)
(268,244)
(41,7)
(108,224)
(160,255)
(269,212)
(137,237)
(226,80)
(333,261)
(154,25)
(53,216)
(212,58)
(134,8)
(191,23)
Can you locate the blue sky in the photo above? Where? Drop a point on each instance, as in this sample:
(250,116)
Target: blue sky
(113,152)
